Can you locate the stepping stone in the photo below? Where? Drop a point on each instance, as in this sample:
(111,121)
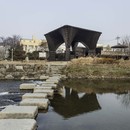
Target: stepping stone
(49,85)
(18,124)
(49,82)
(19,112)
(27,86)
(55,77)
(44,77)
(42,103)
(53,81)
(43,87)
(34,95)
(48,91)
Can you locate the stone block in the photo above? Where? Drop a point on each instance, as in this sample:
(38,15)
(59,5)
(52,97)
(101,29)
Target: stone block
(42,103)
(18,124)
(34,95)
(19,68)
(47,91)
(52,81)
(9,76)
(43,77)
(43,87)
(27,86)
(19,112)
(49,82)
(49,85)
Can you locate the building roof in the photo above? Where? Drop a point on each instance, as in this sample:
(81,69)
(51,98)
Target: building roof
(119,46)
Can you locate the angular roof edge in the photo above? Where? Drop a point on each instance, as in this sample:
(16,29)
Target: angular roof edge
(73,27)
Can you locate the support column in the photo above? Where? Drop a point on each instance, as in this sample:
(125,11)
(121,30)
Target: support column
(67,54)
(52,55)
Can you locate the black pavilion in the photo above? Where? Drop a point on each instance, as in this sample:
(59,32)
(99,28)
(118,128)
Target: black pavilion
(71,36)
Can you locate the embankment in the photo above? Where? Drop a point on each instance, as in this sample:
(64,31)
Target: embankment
(29,70)
(98,68)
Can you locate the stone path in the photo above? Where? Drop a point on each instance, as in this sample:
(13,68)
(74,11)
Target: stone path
(22,117)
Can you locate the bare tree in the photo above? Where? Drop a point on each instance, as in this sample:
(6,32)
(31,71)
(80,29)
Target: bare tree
(10,43)
(108,48)
(126,41)
(2,53)
(44,46)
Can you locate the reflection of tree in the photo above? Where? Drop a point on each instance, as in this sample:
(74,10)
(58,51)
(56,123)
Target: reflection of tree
(125,99)
(71,105)
(98,86)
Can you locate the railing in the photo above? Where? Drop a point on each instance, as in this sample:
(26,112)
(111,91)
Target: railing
(114,53)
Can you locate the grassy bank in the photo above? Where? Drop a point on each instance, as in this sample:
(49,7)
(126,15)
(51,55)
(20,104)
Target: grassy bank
(100,68)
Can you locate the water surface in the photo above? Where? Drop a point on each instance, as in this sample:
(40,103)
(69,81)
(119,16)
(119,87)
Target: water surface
(89,105)
(81,105)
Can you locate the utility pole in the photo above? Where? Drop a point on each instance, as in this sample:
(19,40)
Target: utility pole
(12,58)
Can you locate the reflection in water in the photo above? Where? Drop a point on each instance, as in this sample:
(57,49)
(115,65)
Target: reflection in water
(125,99)
(79,107)
(72,104)
(99,86)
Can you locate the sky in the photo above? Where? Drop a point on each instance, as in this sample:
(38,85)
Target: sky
(38,17)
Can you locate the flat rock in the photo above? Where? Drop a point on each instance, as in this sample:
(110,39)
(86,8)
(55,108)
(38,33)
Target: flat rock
(52,81)
(34,95)
(49,85)
(27,86)
(55,77)
(44,77)
(48,91)
(19,112)
(49,82)
(42,103)
(43,87)
(18,124)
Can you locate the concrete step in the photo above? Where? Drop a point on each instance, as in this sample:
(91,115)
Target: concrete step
(18,124)
(48,91)
(27,86)
(42,103)
(19,112)
(34,95)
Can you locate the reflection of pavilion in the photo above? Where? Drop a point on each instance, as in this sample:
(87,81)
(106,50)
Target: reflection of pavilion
(72,105)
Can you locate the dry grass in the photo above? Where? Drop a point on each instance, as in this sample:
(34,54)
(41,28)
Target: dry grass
(24,62)
(97,68)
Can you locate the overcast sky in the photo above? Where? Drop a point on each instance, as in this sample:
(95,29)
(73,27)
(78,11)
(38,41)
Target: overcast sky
(37,17)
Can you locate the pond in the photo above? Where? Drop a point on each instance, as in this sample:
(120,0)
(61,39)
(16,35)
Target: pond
(80,105)
(89,105)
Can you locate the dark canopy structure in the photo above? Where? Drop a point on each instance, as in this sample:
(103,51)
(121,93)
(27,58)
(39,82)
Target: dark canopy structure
(71,36)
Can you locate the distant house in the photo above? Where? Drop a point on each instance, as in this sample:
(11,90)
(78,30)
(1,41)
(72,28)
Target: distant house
(30,45)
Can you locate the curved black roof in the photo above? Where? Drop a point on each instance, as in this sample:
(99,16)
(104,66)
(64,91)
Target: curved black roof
(70,35)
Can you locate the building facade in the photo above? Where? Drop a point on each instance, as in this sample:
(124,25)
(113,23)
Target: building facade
(30,45)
